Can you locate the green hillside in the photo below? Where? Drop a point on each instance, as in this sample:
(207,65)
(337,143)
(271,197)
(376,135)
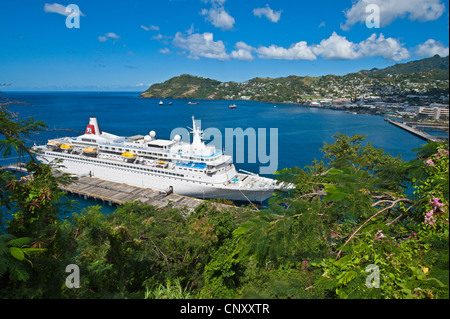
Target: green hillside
(427,64)
(421,76)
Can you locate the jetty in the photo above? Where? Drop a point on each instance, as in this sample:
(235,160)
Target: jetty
(113,193)
(416,132)
(118,194)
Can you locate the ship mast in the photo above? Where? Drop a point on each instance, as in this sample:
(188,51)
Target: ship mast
(197,143)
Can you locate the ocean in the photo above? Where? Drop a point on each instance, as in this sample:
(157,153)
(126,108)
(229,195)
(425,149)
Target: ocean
(298,132)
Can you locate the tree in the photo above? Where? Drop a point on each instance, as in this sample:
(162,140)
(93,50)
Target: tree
(32,206)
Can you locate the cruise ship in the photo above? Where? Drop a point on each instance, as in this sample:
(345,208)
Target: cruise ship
(184,168)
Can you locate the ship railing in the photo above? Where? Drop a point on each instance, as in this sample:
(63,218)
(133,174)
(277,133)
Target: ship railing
(247,172)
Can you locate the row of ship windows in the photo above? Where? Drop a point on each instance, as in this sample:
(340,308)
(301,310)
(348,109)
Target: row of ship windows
(123,165)
(143,169)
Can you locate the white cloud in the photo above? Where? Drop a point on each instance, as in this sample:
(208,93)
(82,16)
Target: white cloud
(243,52)
(387,48)
(201,45)
(151,27)
(58,8)
(430,48)
(112,35)
(164,51)
(273,16)
(297,51)
(337,47)
(217,15)
(420,10)
(109,35)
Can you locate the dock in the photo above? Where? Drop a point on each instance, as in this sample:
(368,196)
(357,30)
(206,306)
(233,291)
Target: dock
(416,132)
(118,194)
(112,193)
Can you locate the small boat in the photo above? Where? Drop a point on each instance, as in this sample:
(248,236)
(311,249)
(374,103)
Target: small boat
(232,106)
(192,103)
(161,103)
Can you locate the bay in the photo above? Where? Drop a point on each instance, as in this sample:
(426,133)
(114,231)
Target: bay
(301,131)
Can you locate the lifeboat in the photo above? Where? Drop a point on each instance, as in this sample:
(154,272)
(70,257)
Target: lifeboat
(90,151)
(129,156)
(67,147)
(53,145)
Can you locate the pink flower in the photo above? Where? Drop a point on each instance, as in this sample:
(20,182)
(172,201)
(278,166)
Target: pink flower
(429,162)
(429,219)
(435,202)
(442,152)
(379,235)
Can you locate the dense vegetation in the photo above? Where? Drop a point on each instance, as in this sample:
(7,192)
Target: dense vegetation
(428,76)
(355,209)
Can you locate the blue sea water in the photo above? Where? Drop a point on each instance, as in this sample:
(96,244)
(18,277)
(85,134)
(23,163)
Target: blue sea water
(301,130)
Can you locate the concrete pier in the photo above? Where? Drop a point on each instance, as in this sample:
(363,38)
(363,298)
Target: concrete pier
(113,193)
(117,193)
(416,132)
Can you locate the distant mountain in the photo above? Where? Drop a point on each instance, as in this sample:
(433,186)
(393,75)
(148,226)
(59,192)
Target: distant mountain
(427,64)
(418,76)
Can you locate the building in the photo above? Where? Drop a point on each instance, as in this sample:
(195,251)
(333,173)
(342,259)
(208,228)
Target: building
(433,113)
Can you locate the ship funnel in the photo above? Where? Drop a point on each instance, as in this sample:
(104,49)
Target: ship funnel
(93,127)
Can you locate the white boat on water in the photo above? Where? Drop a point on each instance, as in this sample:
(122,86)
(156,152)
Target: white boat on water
(190,169)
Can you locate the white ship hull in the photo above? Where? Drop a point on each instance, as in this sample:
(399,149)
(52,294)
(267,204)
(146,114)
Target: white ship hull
(134,177)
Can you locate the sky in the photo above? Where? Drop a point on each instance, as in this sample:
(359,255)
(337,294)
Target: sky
(87,45)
